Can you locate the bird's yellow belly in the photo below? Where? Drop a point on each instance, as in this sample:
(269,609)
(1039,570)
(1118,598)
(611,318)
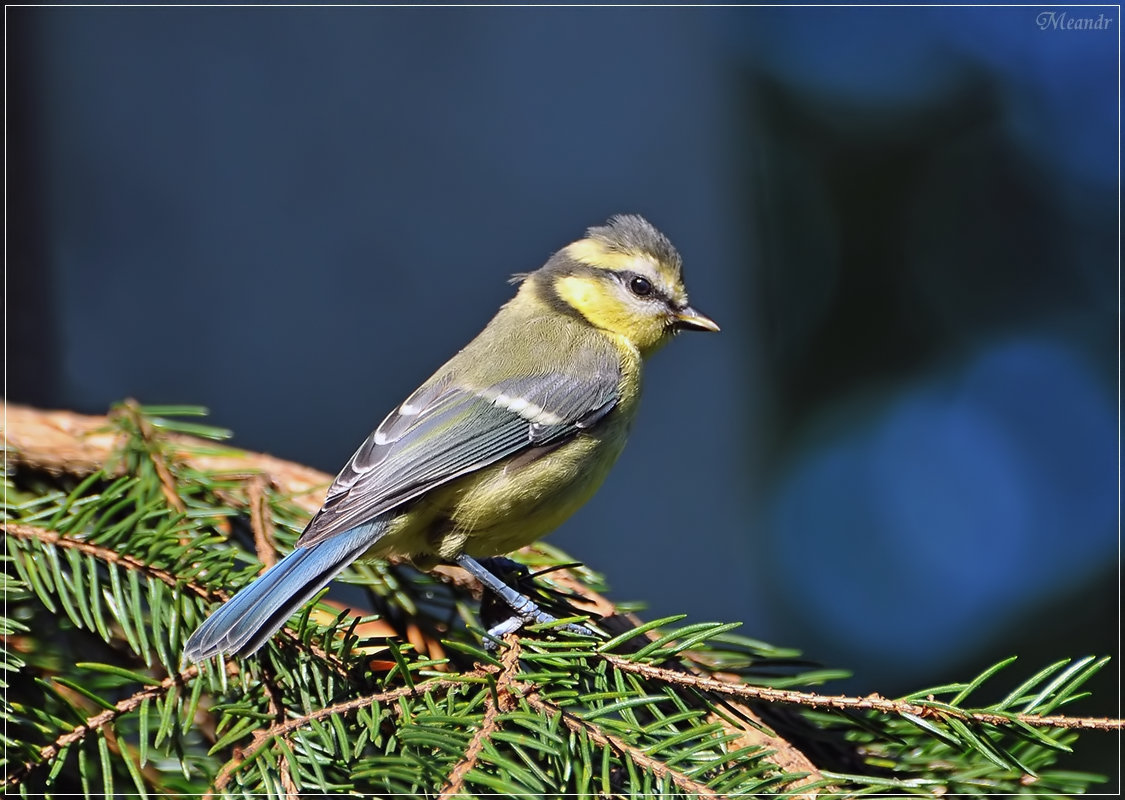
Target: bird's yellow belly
(512,505)
(506,506)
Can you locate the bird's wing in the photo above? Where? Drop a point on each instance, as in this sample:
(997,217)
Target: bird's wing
(444,431)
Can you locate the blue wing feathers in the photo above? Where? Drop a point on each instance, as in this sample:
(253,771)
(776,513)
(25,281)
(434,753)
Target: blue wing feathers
(253,615)
(461,431)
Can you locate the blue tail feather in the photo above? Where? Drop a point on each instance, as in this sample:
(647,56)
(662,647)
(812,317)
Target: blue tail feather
(246,621)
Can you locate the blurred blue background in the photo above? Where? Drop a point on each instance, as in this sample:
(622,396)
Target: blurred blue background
(900,455)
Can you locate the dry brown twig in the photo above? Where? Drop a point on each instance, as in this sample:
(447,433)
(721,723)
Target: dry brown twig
(66,443)
(261,522)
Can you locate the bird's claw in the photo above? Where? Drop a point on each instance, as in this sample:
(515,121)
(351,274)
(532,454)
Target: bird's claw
(537,617)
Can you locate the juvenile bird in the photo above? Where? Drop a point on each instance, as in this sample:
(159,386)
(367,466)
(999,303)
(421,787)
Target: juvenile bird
(505,441)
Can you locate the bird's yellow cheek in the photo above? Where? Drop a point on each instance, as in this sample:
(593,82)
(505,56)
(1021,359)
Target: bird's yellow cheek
(603,309)
(583,294)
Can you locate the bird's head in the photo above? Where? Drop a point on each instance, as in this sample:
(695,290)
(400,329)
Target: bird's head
(624,277)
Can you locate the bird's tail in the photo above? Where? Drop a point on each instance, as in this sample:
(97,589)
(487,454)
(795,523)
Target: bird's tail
(246,621)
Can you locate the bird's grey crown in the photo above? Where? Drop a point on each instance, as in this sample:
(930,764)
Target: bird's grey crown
(633,233)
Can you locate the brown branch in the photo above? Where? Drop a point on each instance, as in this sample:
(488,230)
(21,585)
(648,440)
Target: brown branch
(623,748)
(873,702)
(500,700)
(65,443)
(100,720)
(260,521)
(152,446)
(283,729)
(292,791)
(746,729)
(277,709)
(59,442)
(22,531)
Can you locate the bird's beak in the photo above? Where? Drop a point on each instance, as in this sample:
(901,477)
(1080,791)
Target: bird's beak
(688,319)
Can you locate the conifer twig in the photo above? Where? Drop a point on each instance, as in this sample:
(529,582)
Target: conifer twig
(495,702)
(260,522)
(276,708)
(103,718)
(23,531)
(873,702)
(623,748)
(748,729)
(284,729)
(167,483)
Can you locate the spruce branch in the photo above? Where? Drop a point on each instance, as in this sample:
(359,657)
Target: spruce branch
(44,536)
(122,531)
(62,441)
(109,556)
(500,699)
(282,729)
(929,710)
(634,754)
(131,413)
(103,719)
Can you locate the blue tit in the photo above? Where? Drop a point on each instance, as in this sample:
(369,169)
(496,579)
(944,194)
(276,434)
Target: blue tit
(503,442)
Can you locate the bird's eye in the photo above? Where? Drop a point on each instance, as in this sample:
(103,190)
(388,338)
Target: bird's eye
(641,287)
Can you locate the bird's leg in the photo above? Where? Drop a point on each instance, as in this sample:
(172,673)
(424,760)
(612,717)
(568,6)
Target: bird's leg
(526,610)
(502,565)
